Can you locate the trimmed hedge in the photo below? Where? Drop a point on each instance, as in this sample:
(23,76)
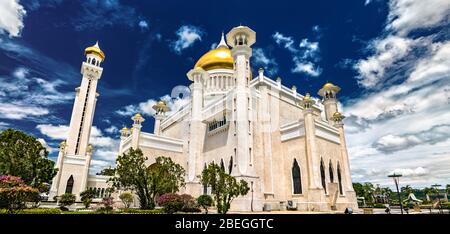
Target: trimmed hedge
(36,211)
(139,211)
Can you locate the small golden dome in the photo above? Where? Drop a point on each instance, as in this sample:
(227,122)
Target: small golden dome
(125,129)
(95,49)
(328,85)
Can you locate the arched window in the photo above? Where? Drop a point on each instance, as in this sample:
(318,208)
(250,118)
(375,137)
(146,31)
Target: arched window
(222,165)
(330,169)
(89,60)
(69,185)
(322,176)
(296,178)
(230,166)
(102,193)
(339,179)
(93,61)
(205,186)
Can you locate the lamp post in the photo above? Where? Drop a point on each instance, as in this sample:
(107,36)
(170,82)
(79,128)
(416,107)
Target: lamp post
(439,199)
(396,180)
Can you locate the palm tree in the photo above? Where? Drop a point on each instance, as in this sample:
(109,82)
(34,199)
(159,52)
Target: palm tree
(368,191)
(427,191)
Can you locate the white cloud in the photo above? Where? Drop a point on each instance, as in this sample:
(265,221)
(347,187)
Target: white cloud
(388,51)
(11,17)
(261,59)
(23,95)
(285,41)
(401,120)
(187,36)
(419,171)
(112,130)
(408,15)
(143,24)
(306,67)
(304,56)
(56,132)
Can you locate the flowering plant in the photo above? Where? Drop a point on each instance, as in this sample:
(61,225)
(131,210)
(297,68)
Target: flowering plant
(14,193)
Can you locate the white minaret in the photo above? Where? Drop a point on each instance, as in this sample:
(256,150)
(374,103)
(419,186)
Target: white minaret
(328,92)
(75,154)
(198,77)
(160,114)
(241,38)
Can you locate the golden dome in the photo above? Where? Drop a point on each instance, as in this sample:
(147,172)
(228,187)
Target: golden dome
(217,58)
(95,49)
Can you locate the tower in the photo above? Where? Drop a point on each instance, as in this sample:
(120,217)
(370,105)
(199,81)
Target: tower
(329,92)
(75,154)
(241,38)
(136,130)
(160,114)
(198,76)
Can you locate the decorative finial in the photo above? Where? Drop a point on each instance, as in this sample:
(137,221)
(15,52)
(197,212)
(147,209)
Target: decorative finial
(222,42)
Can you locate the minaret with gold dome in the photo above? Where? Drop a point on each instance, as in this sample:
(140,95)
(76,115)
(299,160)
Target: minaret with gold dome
(75,157)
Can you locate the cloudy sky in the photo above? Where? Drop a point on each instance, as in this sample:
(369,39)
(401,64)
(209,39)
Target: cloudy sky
(391,59)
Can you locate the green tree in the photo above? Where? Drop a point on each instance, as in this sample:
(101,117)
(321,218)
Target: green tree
(224,186)
(107,172)
(23,156)
(358,187)
(126,198)
(205,201)
(66,199)
(148,182)
(165,176)
(86,197)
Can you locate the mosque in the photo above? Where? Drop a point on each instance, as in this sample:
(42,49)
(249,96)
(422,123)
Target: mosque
(289,147)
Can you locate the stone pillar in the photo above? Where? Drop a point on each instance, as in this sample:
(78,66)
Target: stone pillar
(59,165)
(337,118)
(84,179)
(198,76)
(316,194)
(310,141)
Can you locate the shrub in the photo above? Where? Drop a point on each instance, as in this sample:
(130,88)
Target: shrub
(14,193)
(171,202)
(107,206)
(189,203)
(66,199)
(86,197)
(205,201)
(126,198)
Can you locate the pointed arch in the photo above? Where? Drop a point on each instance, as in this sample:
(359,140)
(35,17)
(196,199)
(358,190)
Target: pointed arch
(322,175)
(69,185)
(331,172)
(296,177)
(339,178)
(230,166)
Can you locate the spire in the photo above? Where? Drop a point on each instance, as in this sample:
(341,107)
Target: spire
(222,42)
(96,45)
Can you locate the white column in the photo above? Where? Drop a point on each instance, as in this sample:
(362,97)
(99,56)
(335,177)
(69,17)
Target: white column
(311,150)
(194,157)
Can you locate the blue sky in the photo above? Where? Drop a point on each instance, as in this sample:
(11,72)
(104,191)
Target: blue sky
(391,59)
